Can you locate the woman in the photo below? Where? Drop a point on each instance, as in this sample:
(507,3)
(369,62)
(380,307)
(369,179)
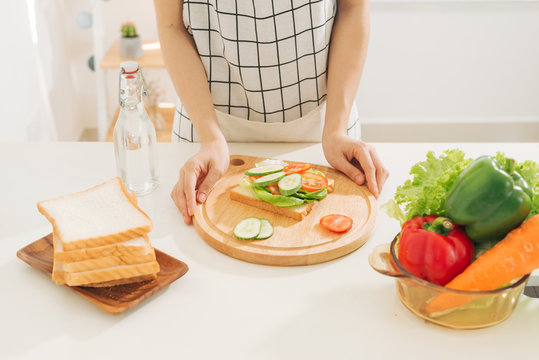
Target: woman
(277,71)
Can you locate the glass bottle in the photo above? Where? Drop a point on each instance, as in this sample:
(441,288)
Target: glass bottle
(134,134)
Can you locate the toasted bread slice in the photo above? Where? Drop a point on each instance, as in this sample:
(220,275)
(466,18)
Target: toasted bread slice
(134,247)
(59,275)
(105,275)
(108,261)
(102,215)
(247,196)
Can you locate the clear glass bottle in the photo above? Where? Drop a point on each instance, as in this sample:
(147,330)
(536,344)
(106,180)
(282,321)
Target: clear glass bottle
(134,134)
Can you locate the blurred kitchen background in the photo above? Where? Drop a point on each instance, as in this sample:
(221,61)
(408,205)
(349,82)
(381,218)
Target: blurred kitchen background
(436,71)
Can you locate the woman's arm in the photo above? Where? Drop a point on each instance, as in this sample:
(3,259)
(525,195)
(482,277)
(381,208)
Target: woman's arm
(199,173)
(347,53)
(186,69)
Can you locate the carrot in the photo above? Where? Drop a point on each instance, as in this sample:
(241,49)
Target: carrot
(514,256)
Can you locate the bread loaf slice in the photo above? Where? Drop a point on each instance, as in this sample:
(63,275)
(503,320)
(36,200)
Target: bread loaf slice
(247,196)
(104,276)
(102,215)
(134,247)
(59,276)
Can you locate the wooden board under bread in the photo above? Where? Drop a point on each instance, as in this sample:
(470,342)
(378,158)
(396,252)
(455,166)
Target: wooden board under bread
(113,300)
(294,242)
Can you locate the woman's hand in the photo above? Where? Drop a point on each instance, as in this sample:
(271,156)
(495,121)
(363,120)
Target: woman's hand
(198,176)
(358,160)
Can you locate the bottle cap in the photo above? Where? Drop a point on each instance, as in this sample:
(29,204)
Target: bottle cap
(129,67)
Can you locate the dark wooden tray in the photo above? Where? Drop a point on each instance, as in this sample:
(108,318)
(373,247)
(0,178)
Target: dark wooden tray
(114,299)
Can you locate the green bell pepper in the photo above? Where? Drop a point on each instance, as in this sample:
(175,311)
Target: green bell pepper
(488,200)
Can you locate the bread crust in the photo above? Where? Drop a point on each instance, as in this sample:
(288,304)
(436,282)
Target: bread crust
(111,274)
(108,261)
(117,249)
(297,212)
(100,240)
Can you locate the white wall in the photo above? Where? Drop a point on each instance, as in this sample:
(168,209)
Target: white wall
(441,62)
(452,62)
(26,115)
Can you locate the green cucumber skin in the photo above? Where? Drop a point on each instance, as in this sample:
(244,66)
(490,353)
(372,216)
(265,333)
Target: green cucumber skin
(262,170)
(268,179)
(286,190)
(238,231)
(267,224)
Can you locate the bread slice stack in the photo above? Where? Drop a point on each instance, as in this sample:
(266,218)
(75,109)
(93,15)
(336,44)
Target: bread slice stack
(100,237)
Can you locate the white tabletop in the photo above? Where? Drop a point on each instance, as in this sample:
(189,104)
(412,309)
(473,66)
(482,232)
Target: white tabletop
(223,307)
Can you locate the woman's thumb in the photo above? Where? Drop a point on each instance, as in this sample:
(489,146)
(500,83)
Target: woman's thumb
(355,174)
(207,184)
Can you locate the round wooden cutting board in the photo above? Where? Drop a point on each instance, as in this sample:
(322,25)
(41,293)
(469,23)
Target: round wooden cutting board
(294,242)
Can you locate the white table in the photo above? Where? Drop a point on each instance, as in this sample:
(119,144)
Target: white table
(224,308)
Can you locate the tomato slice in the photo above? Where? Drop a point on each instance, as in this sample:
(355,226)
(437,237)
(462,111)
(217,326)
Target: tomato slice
(274,188)
(313,182)
(296,168)
(337,223)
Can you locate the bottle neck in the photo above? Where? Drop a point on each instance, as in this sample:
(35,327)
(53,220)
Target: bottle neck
(131,88)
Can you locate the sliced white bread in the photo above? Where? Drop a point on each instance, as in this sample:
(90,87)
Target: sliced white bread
(247,196)
(133,247)
(108,261)
(102,215)
(114,275)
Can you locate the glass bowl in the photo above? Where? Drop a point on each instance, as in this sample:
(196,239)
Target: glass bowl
(447,307)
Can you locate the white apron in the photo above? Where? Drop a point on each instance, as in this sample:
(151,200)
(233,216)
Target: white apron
(305,129)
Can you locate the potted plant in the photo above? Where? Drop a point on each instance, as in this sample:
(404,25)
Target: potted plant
(130,44)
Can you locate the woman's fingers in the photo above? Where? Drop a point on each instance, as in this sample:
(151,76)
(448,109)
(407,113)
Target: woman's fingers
(350,170)
(362,153)
(178,196)
(381,171)
(189,184)
(207,184)
(183,192)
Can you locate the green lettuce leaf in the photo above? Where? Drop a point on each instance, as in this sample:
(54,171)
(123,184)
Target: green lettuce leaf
(529,170)
(431,181)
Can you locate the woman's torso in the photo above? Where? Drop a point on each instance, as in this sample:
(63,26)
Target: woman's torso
(266,61)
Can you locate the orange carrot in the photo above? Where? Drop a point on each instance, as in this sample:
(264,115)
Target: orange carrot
(514,256)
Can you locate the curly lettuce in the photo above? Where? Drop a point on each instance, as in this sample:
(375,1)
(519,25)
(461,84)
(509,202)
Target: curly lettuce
(433,178)
(529,170)
(431,181)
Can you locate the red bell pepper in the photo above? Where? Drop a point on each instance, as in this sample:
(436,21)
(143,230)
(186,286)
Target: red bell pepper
(434,249)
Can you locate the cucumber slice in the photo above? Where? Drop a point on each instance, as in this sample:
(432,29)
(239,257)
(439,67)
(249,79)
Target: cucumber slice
(248,228)
(266,230)
(290,184)
(268,179)
(264,170)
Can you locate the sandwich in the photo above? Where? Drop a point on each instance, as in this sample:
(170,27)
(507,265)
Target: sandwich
(100,237)
(286,189)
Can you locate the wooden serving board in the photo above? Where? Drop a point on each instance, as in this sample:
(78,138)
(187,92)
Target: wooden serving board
(294,242)
(113,299)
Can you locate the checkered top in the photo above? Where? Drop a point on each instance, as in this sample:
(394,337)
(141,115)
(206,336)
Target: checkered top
(265,60)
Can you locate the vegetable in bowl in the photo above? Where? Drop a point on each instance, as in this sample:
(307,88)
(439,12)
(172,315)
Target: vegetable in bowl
(433,179)
(488,196)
